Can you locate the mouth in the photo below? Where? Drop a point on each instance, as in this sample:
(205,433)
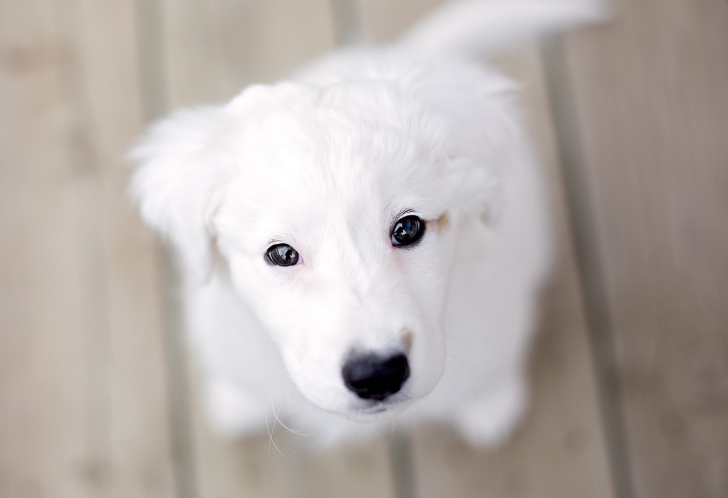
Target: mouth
(373,410)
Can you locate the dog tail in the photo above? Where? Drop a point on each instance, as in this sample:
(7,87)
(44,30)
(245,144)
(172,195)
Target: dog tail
(477,27)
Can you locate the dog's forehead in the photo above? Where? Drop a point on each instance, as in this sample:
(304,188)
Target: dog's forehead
(349,159)
(339,150)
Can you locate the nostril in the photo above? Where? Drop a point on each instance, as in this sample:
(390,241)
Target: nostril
(372,377)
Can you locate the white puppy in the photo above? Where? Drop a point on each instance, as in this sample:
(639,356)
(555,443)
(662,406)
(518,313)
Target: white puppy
(374,228)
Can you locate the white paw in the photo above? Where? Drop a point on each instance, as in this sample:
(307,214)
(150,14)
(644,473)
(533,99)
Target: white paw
(491,419)
(233,413)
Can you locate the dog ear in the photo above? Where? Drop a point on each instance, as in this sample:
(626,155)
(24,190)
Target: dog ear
(183,163)
(177,182)
(475,105)
(485,142)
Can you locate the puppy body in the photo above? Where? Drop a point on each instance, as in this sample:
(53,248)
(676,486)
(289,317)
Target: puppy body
(326,163)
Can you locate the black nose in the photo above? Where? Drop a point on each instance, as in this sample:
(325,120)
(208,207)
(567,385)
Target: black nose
(373,377)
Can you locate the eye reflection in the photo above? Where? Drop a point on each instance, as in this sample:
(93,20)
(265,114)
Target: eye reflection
(282,255)
(407,231)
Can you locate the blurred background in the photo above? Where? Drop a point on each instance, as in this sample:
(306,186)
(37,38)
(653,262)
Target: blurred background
(98,396)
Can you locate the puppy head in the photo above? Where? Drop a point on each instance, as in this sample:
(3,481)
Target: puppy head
(336,210)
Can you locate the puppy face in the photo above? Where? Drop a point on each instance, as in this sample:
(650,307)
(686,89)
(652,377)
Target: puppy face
(336,210)
(338,232)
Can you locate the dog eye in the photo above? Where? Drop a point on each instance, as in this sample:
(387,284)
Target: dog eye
(408,230)
(282,255)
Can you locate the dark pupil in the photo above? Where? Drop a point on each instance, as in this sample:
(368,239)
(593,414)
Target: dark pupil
(406,230)
(283,255)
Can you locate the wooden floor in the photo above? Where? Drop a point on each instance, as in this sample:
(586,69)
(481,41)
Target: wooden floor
(98,396)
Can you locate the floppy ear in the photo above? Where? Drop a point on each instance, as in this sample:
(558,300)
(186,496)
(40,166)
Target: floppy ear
(185,160)
(483,127)
(178,179)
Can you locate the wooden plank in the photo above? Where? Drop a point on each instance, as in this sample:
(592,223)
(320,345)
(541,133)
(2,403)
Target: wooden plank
(215,48)
(212,50)
(356,471)
(83,395)
(649,98)
(132,355)
(382,21)
(45,319)
(561,449)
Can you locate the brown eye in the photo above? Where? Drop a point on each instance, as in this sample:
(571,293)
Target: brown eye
(407,231)
(282,255)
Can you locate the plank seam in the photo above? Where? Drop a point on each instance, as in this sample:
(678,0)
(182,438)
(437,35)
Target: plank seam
(155,103)
(590,277)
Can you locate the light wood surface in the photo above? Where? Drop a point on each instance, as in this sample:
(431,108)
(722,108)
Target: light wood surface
(213,49)
(84,390)
(648,95)
(42,353)
(382,21)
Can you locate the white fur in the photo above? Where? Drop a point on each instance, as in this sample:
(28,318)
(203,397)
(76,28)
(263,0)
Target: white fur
(325,162)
